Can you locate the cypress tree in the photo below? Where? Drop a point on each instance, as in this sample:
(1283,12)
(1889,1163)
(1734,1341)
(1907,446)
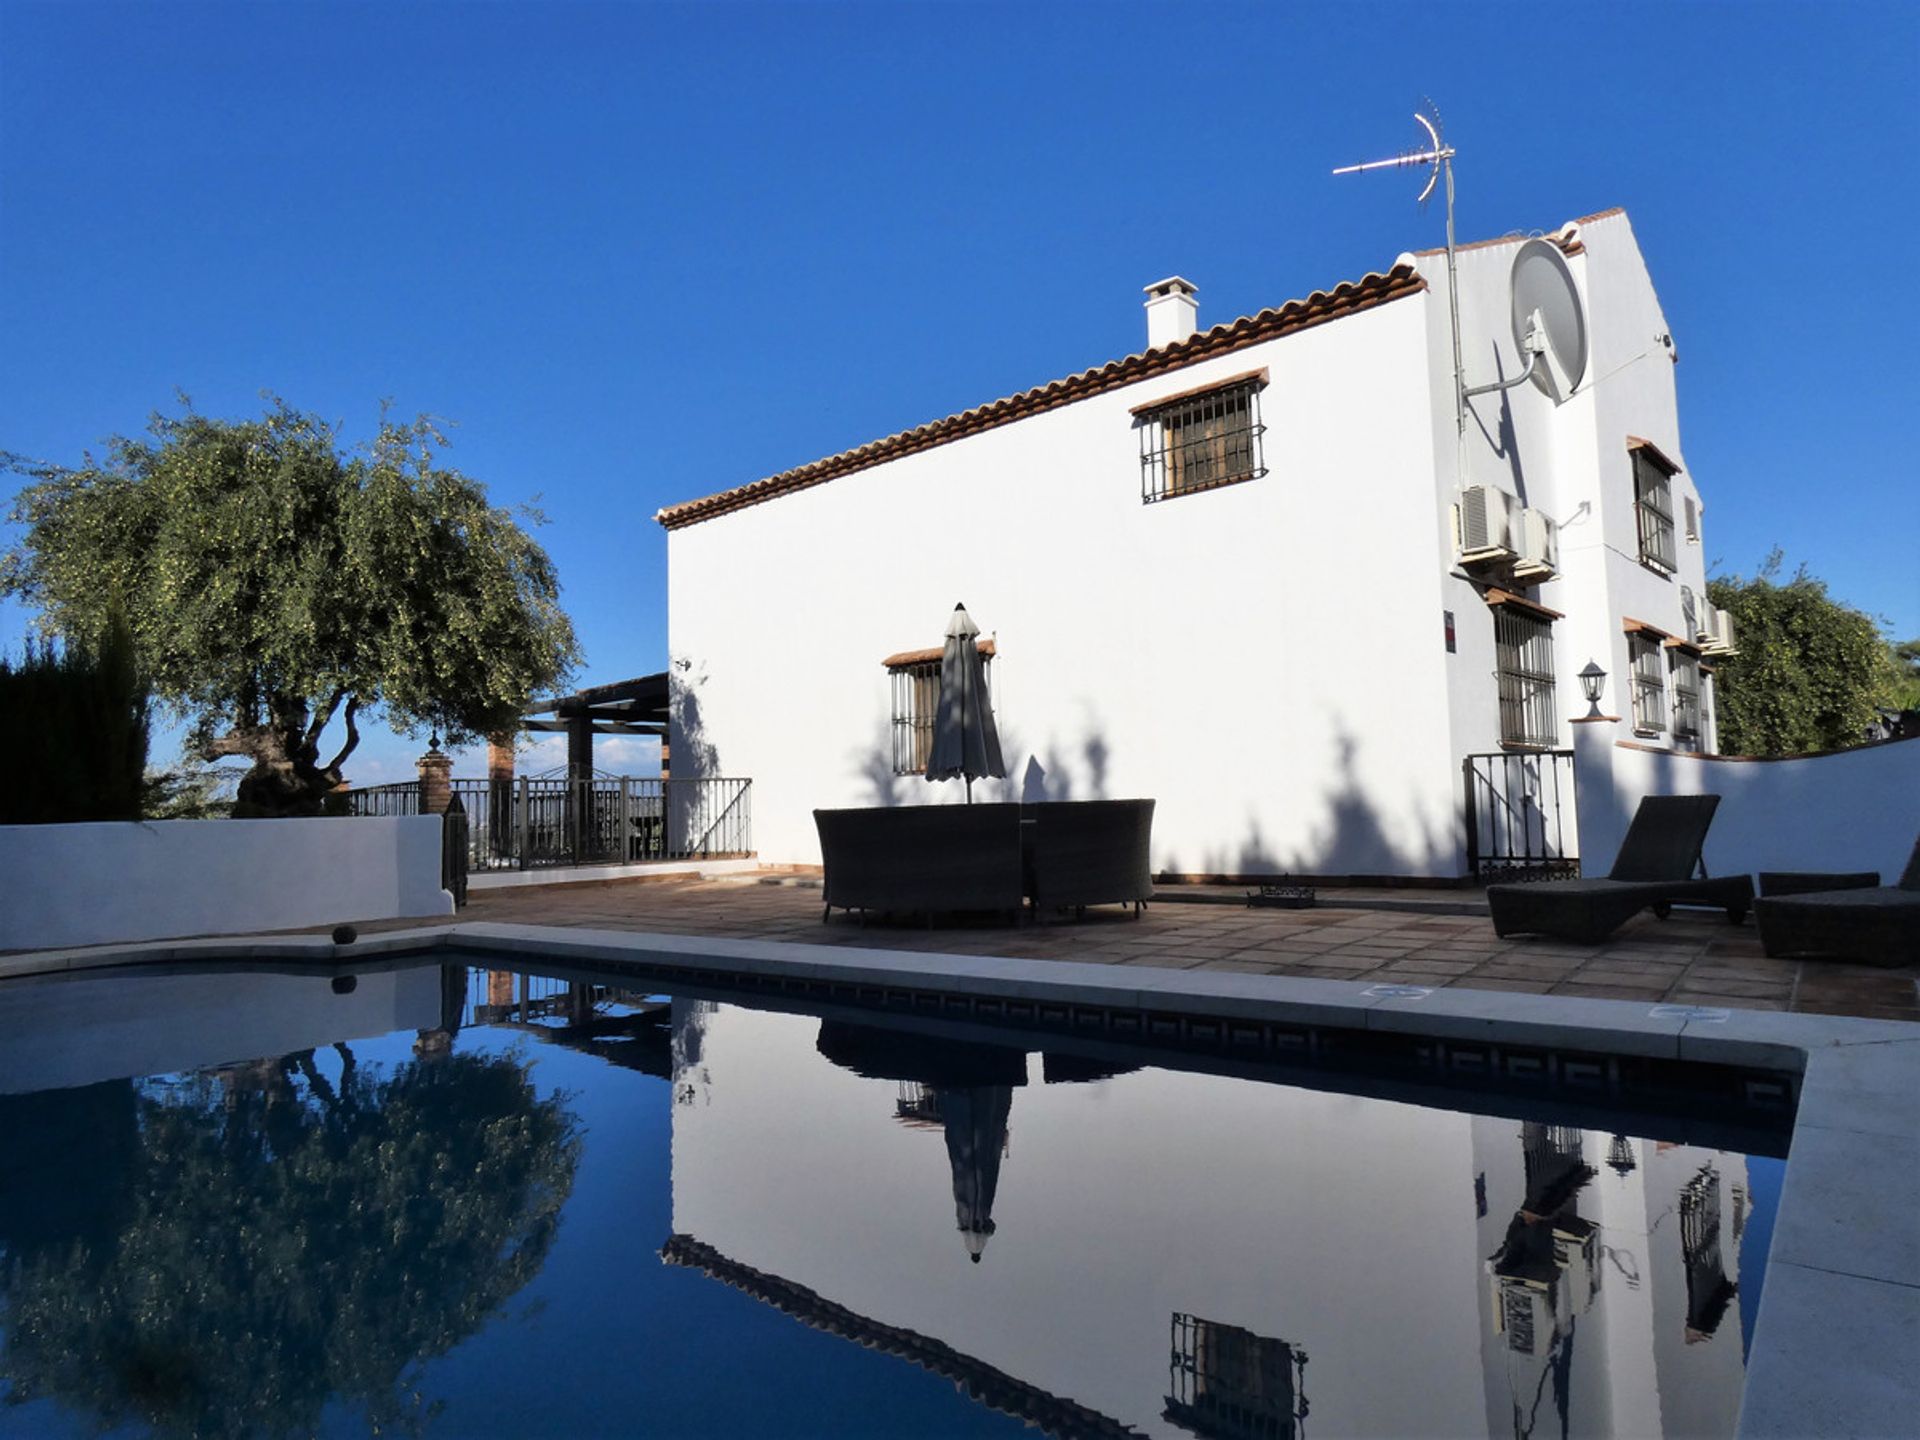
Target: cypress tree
(75,721)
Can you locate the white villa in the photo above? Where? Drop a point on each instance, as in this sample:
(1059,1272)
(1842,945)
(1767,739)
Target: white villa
(1251,572)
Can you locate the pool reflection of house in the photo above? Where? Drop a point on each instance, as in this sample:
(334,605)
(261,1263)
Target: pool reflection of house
(626,1028)
(1169,1247)
(1231,1384)
(1642,1233)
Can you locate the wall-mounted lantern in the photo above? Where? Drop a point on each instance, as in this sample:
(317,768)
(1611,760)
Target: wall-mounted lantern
(1593,682)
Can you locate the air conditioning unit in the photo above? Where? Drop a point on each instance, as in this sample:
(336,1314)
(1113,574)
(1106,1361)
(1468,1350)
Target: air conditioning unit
(1718,638)
(1487,528)
(1539,547)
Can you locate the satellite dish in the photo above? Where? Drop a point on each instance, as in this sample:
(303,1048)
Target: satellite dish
(1549,325)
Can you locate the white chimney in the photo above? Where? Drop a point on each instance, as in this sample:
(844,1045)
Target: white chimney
(1172,312)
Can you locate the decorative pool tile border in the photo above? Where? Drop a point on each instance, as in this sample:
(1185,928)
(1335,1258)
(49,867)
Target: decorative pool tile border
(1837,1343)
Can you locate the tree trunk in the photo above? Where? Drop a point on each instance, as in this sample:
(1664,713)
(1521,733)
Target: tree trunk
(287,778)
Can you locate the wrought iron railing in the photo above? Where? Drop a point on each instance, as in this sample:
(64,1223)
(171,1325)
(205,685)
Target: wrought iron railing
(1520,816)
(527,823)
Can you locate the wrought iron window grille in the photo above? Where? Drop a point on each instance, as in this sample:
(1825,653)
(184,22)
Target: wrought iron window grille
(1686,696)
(1523,647)
(1202,442)
(1649,685)
(916,696)
(1227,1381)
(1653,512)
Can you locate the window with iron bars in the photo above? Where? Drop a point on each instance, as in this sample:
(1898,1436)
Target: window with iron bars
(916,696)
(1686,696)
(1231,1382)
(1653,509)
(1649,684)
(1523,647)
(1201,442)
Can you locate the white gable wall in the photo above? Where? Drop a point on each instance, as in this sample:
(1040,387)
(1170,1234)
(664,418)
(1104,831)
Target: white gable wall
(1569,460)
(1259,659)
(1633,394)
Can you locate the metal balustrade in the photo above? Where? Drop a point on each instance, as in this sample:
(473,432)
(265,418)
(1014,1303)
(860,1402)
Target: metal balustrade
(1520,817)
(528,823)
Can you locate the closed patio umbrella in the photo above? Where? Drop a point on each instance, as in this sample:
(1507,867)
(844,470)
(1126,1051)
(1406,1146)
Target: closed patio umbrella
(976,1124)
(965,740)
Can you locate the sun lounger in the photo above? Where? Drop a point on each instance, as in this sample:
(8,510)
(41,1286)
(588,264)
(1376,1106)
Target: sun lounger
(1880,926)
(1655,869)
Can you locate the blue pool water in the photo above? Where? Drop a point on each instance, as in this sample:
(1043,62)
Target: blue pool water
(459,1202)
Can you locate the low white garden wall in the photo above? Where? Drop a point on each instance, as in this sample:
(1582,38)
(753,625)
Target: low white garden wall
(1849,810)
(98,884)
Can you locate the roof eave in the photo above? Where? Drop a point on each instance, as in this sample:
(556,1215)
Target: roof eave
(1322,306)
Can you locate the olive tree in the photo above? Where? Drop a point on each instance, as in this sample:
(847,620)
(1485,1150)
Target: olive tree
(275,580)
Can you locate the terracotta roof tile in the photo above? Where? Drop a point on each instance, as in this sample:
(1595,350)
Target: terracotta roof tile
(1321,306)
(1660,457)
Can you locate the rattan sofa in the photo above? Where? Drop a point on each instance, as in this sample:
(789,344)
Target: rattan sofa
(1090,852)
(921,859)
(1655,870)
(1880,926)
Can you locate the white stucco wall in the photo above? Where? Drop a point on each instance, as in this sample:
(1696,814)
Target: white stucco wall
(1631,392)
(1257,658)
(99,884)
(1853,810)
(1267,661)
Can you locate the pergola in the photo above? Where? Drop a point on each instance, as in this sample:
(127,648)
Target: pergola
(625,707)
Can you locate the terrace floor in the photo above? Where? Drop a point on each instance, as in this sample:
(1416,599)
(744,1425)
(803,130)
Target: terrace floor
(1693,958)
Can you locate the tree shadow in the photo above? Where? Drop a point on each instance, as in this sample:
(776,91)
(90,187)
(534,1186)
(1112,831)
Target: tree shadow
(1350,841)
(1352,836)
(692,752)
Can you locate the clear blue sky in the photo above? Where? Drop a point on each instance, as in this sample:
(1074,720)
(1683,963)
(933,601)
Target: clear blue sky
(640,253)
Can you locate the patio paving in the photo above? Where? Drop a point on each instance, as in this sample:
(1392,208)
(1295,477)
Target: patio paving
(1692,958)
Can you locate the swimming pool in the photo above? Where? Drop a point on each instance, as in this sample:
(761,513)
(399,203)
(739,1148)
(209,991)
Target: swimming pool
(468,1200)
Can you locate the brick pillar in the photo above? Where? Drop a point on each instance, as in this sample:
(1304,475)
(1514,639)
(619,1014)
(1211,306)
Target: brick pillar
(436,772)
(500,757)
(500,793)
(665,767)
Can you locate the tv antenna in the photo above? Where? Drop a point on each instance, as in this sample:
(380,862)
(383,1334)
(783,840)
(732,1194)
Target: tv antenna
(1438,155)
(1549,325)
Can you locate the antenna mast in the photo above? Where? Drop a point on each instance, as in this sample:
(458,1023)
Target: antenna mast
(1439,155)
